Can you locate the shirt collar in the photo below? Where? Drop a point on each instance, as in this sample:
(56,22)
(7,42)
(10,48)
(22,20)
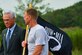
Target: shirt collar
(12,28)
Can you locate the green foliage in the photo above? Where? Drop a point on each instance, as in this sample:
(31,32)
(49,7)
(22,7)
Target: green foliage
(76,37)
(71,16)
(20,21)
(2,26)
(76,52)
(23,5)
(42,8)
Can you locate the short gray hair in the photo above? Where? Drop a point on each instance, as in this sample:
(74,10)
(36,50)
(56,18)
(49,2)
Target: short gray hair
(13,15)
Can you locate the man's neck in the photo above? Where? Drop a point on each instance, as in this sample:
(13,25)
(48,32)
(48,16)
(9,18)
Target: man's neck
(32,24)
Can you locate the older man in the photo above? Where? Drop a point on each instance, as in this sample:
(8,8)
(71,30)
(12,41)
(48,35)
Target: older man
(12,36)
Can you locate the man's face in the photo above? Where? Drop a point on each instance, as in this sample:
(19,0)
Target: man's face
(8,21)
(27,18)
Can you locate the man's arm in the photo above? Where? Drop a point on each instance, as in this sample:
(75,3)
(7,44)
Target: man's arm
(38,50)
(41,40)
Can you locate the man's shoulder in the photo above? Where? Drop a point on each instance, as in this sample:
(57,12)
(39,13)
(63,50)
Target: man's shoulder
(4,30)
(19,29)
(39,27)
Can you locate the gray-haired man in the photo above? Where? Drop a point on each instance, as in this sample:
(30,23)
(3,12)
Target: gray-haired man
(12,36)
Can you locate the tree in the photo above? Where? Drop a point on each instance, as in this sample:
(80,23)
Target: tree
(68,17)
(23,4)
(2,26)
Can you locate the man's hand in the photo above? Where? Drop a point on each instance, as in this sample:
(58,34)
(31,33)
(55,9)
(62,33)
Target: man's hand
(24,44)
(49,53)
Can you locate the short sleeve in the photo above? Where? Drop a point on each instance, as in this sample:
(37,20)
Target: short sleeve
(40,37)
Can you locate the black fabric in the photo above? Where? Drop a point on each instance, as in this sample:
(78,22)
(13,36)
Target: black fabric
(52,43)
(61,36)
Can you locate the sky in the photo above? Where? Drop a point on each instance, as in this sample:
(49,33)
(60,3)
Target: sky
(57,4)
(54,4)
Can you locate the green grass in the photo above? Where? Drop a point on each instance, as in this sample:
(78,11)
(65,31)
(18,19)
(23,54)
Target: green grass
(76,52)
(76,36)
(75,33)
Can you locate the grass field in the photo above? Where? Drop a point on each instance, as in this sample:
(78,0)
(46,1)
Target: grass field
(75,33)
(77,52)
